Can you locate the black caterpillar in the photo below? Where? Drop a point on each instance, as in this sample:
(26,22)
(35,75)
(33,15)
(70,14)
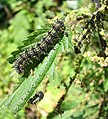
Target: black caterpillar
(86,32)
(36,98)
(95,23)
(30,58)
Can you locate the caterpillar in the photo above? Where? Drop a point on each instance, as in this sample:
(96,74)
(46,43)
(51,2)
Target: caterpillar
(33,56)
(95,23)
(86,32)
(36,98)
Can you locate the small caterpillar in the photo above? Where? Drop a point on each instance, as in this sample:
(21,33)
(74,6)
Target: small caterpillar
(36,98)
(88,29)
(33,56)
(95,23)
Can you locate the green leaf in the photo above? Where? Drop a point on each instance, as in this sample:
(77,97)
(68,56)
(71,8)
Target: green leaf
(19,97)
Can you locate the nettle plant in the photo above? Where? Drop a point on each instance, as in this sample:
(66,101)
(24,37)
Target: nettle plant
(81,37)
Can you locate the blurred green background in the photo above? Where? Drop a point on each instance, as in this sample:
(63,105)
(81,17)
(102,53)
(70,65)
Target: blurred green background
(19,18)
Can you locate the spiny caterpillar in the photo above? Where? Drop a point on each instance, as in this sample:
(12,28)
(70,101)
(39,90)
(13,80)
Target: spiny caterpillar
(36,98)
(33,56)
(85,35)
(94,24)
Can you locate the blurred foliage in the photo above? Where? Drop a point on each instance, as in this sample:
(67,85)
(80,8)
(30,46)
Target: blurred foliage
(87,96)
